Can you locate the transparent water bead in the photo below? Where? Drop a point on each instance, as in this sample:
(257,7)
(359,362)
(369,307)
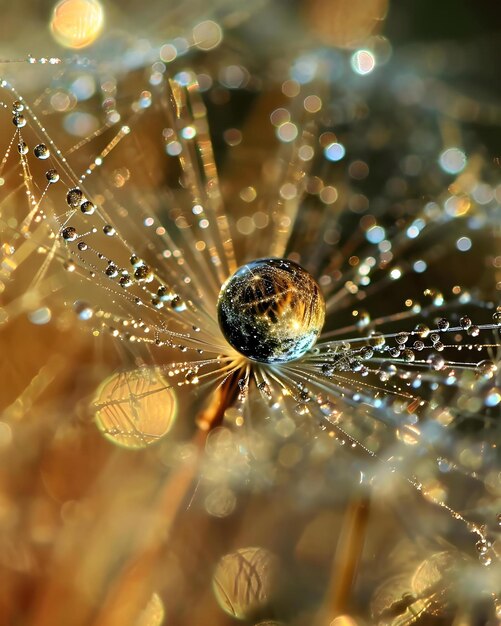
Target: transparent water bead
(271,310)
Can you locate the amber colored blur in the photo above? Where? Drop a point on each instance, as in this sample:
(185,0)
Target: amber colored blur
(177,533)
(77,23)
(345,23)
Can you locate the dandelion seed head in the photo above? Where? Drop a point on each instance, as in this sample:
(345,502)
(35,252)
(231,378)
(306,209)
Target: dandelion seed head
(399,384)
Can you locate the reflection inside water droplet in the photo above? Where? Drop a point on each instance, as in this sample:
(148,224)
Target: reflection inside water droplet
(271,310)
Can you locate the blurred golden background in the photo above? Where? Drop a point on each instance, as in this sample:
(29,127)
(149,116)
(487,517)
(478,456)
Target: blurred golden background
(159,522)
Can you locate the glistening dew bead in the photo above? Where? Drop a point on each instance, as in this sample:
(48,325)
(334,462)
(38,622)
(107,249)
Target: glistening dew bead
(271,310)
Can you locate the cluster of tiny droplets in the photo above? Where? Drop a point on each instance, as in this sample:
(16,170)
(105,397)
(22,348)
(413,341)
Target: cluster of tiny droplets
(413,373)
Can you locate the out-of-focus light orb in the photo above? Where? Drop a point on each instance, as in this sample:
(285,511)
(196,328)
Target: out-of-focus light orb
(493,397)
(77,23)
(420,266)
(80,124)
(207,35)
(220,502)
(271,310)
(135,409)
(287,132)
(363,62)
(345,23)
(455,206)
(375,234)
(40,316)
(168,53)
(83,87)
(452,160)
(244,581)
(334,152)
(304,69)
(463,244)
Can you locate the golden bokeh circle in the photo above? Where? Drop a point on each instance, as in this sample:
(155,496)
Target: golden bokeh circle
(135,409)
(244,581)
(77,23)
